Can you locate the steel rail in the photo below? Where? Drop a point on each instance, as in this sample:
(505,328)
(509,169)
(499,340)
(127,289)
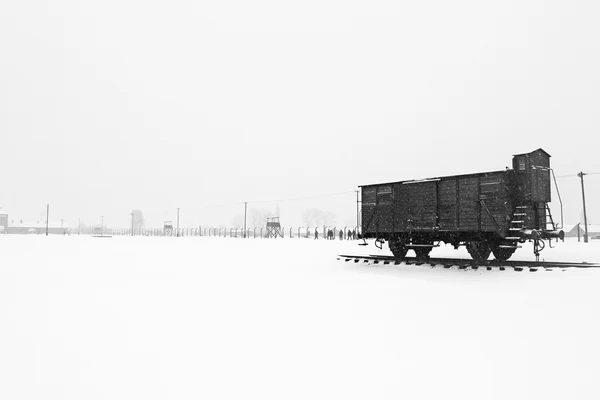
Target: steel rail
(463,263)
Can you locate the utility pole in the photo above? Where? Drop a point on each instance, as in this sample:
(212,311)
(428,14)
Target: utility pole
(245,213)
(132,223)
(177,221)
(585,235)
(47,216)
(357,213)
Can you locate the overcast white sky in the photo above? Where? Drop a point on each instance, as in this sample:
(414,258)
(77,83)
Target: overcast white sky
(106,106)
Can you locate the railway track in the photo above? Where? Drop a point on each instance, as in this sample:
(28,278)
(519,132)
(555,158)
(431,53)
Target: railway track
(461,263)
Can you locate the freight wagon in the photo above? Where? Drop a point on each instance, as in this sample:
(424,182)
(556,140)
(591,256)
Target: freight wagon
(489,212)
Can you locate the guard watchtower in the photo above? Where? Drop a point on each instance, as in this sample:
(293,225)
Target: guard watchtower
(168,228)
(273,227)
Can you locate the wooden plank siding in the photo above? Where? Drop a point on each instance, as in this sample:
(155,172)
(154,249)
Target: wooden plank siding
(468,203)
(385,209)
(448,205)
(422,205)
(401,210)
(539,176)
(496,207)
(369,207)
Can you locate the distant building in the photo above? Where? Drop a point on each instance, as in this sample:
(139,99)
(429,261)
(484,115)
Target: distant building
(593,230)
(23,227)
(3,221)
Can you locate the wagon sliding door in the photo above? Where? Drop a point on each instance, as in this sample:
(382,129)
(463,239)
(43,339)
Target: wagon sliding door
(468,203)
(448,210)
(422,205)
(385,209)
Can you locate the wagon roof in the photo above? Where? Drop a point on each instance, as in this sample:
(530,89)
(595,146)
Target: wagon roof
(436,178)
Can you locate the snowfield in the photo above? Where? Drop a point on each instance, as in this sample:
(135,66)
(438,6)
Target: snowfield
(213,318)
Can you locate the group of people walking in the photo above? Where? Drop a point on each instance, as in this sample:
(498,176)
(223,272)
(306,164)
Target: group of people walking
(351,235)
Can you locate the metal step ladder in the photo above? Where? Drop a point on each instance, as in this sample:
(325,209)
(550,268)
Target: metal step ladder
(517,224)
(549,218)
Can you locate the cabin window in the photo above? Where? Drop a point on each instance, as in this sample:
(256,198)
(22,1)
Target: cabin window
(521,164)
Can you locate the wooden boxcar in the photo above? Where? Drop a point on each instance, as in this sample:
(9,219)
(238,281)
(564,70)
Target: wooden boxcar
(487,212)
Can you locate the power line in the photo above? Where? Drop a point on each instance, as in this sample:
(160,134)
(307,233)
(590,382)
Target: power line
(302,198)
(566,176)
(274,201)
(574,175)
(220,205)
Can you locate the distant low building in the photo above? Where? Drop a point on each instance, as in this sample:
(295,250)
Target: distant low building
(24,227)
(593,230)
(21,227)
(3,220)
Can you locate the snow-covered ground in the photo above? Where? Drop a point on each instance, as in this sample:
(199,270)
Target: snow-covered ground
(213,318)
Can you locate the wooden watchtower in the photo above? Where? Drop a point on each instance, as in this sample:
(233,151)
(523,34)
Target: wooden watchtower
(168,228)
(273,227)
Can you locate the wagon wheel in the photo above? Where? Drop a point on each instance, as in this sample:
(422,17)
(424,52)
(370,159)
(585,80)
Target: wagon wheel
(479,250)
(398,248)
(501,253)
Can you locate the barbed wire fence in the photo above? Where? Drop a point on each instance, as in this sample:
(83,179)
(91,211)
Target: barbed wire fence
(323,232)
(256,232)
